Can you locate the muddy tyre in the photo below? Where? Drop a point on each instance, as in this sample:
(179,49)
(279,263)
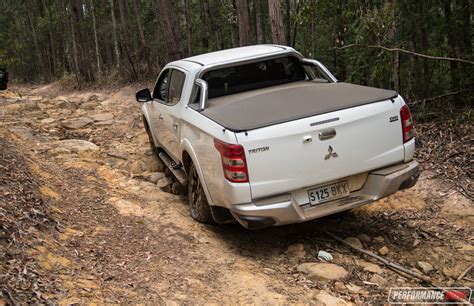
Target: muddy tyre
(198,206)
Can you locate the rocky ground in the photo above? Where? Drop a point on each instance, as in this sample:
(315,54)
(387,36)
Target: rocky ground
(88,215)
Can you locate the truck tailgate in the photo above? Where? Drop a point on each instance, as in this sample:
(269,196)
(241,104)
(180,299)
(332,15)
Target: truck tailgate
(292,155)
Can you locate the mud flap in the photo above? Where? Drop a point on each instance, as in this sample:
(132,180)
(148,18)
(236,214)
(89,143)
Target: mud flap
(221,215)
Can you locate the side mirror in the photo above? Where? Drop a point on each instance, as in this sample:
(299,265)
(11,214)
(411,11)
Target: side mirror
(143,95)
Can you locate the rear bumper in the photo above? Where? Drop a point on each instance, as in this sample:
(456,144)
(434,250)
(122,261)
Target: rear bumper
(379,184)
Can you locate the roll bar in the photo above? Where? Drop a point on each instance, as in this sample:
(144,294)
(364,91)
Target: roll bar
(203,95)
(324,70)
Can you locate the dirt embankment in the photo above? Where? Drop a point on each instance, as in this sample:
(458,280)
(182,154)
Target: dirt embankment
(88,215)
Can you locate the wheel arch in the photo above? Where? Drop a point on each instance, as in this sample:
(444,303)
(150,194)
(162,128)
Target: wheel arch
(188,157)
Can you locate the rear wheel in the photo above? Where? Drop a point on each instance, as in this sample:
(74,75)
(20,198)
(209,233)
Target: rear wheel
(198,206)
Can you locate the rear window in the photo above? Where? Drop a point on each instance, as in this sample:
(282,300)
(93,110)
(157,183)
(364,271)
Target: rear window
(232,80)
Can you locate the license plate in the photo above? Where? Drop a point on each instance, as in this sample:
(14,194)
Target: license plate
(328,193)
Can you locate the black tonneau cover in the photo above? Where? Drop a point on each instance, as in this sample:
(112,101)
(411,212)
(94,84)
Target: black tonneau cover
(264,107)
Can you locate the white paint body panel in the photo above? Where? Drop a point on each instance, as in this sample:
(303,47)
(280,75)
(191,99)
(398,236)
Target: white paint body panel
(365,140)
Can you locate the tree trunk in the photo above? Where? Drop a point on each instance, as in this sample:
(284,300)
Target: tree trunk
(276,23)
(244,22)
(35,42)
(96,41)
(114,34)
(189,31)
(288,22)
(167,16)
(259,18)
(141,34)
(51,40)
(202,14)
(451,44)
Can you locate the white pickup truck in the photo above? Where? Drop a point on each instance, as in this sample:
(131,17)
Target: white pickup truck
(264,136)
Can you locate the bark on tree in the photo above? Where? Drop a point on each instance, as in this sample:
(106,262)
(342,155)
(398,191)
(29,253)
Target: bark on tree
(96,41)
(259,19)
(244,22)
(276,23)
(51,40)
(35,39)
(288,22)
(114,34)
(202,14)
(141,34)
(169,25)
(189,31)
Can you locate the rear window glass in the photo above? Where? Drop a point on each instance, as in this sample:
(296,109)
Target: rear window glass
(232,80)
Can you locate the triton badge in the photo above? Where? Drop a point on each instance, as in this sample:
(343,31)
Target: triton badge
(258,150)
(330,154)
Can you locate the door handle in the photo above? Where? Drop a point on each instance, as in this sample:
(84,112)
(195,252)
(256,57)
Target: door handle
(328,134)
(160,117)
(175,126)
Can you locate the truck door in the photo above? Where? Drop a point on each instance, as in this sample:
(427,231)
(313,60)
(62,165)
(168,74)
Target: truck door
(167,123)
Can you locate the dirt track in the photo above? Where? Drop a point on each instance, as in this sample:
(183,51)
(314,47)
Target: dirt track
(118,238)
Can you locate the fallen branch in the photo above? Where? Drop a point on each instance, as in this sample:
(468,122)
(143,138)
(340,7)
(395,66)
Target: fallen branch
(461,276)
(397,268)
(441,58)
(438,97)
(389,264)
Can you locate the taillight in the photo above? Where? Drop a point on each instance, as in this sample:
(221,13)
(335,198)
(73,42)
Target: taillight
(233,161)
(407,123)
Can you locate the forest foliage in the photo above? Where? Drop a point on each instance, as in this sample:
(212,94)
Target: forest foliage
(369,42)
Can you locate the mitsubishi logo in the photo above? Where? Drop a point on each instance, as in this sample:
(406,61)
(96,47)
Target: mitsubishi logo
(330,154)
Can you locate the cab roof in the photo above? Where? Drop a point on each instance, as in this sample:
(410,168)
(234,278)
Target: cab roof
(237,54)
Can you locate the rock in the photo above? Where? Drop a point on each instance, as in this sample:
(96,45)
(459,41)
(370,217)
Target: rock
(379,239)
(137,166)
(453,272)
(39,115)
(353,288)
(47,121)
(425,267)
(74,146)
(296,250)
(379,280)
(164,182)
(355,242)
(30,105)
(466,249)
(371,267)
(322,271)
(88,105)
(119,155)
(102,117)
(383,251)
(364,238)
(11,108)
(78,123)
(155,177)
(103,123)
(324,298)
(339,286)
(22,132)
(177,188)
(269,271)
(153,164)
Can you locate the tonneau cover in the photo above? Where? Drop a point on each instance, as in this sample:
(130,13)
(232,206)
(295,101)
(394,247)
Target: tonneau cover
(272,105)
